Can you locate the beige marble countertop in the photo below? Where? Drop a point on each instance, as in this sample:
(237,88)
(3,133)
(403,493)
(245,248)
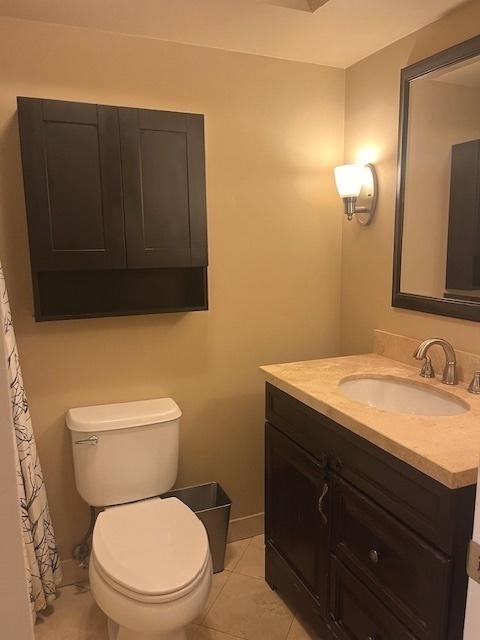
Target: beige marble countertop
(444,448)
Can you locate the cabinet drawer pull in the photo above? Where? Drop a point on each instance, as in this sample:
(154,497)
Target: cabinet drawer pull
(320,503)
(374,557)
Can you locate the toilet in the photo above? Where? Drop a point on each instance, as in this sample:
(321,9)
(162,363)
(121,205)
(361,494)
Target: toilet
(150,567)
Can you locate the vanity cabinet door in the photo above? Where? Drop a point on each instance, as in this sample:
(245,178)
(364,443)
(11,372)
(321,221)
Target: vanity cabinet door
(356,614)
(297,511)
(73,185)
(163,160)
(407,574)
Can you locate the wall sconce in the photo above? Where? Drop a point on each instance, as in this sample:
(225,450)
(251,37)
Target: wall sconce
(357,186)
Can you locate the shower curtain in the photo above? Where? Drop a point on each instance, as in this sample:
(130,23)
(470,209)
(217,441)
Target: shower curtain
(43,569)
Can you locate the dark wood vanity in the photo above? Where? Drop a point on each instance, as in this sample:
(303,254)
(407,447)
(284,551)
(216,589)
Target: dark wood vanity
(363,545)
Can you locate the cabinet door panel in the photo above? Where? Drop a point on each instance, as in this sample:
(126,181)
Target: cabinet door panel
(357,614)
(165,200)
(405,572)
(164,178)
(73,186)
(72,151)
(295,527)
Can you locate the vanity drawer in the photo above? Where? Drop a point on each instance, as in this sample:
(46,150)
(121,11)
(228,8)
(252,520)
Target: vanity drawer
(408,575)
(356,614)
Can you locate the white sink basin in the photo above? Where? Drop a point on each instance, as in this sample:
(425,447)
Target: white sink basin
(402,396)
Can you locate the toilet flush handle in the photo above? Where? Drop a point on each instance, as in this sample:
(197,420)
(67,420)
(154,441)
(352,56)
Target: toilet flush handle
(92,440)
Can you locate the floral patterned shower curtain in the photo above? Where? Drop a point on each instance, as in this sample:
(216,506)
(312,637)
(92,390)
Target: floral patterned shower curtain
(43,569)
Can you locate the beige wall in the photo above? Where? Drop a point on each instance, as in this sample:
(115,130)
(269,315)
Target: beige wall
(371,130)
(274,130)
(440,115)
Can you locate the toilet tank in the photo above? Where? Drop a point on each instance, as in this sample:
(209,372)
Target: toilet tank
(124,452)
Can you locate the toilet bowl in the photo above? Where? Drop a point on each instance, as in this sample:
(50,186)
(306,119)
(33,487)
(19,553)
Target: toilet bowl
(150,569)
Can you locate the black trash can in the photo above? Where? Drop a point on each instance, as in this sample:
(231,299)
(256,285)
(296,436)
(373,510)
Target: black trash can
(212,505)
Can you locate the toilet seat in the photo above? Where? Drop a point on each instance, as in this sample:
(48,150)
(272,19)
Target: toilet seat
(151,551)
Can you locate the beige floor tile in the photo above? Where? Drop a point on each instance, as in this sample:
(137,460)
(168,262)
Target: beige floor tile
(218,582)
(259,541)
(299,632)
(234,553)
(72,616)
(196,632)
(249,609)
(252,563)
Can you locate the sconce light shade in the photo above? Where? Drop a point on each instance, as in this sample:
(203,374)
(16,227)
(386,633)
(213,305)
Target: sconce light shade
(357,186)
(349,179)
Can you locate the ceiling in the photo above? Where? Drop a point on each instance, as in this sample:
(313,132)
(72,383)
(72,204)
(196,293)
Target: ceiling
(337,33)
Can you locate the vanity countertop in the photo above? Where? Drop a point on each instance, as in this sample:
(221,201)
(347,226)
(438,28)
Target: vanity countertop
(445,448)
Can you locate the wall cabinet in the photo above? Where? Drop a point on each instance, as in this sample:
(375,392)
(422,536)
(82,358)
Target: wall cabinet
(116,208)
(365,546)
(463,249)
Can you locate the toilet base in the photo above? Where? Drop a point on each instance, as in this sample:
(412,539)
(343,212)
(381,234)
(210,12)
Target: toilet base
(115,632)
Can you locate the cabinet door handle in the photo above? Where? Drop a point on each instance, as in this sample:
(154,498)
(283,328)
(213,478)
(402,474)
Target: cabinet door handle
(320,503)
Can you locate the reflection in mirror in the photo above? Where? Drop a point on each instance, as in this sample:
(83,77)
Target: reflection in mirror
(441,216)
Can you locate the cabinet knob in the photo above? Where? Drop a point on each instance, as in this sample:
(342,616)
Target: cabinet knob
(374,557)
(373,637)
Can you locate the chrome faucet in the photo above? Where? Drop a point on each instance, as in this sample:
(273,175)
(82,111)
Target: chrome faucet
(450,370)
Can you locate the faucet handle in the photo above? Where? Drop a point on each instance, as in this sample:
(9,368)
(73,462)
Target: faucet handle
(427,368)
(474,386)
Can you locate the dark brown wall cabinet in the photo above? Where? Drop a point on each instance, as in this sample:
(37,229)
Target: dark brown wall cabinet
(362,544)
(116,209)
(463,251)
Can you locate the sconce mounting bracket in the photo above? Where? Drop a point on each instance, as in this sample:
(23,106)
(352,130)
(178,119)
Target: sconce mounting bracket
(367,200)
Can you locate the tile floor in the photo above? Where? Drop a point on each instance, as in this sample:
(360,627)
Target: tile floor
(241,605)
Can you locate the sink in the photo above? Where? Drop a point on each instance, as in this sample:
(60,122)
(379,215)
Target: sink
(402,396)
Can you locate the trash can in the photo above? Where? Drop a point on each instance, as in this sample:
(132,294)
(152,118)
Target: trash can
(212,505)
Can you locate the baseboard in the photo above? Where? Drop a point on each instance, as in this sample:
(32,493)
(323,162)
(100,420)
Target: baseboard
(73,573)
(238,529)
(246,527)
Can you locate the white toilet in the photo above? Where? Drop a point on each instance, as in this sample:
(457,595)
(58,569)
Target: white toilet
(150,567)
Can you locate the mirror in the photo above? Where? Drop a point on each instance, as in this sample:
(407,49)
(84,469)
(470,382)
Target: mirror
(437,232)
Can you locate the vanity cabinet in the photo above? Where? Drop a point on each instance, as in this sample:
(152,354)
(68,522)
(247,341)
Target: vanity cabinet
(298,506)
(116,208)
(362,544)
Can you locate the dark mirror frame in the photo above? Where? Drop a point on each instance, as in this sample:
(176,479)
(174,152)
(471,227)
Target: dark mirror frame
(440,306)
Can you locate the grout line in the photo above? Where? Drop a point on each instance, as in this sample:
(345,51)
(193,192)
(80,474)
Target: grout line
(205,613)
(291,625)
(224,632)
(247,575)
(242,554)
(238,571)
(229,571)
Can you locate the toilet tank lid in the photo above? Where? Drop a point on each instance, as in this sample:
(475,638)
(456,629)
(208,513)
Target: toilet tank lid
(106,417)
